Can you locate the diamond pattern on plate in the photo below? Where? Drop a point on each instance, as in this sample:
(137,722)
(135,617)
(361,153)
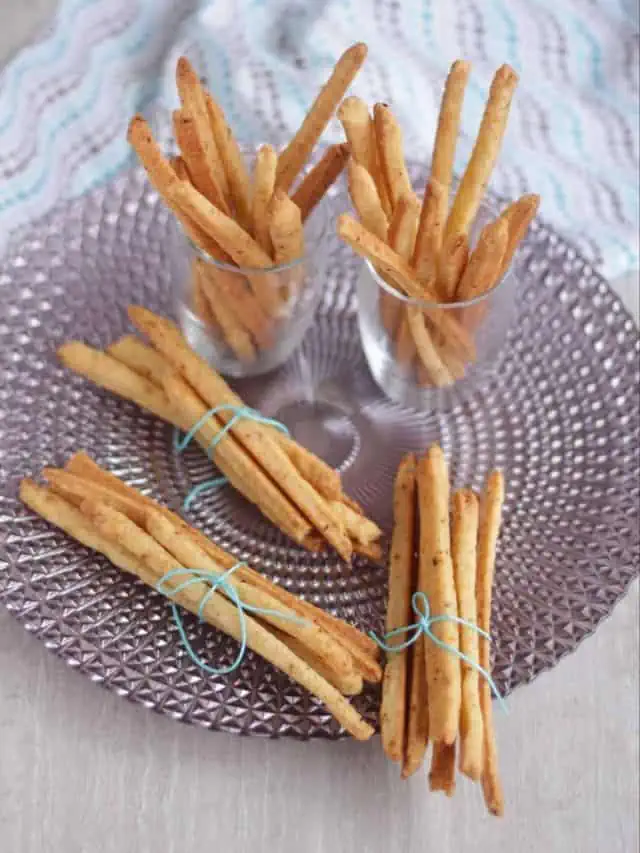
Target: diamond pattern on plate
(561,419)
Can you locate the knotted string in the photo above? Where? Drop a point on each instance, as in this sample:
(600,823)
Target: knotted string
(215,580)
(239,412)
(420,606)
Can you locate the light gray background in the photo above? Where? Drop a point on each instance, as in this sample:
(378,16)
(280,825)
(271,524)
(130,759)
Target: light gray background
(82,770)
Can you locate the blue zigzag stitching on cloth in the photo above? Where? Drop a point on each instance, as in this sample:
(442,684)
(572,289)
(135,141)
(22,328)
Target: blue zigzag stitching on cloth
(116,154)
(84,99)
(593,115)
(220,81)
(140,93)
(585,43)
(594,54)
(511,35)
(426,18)
(42,55)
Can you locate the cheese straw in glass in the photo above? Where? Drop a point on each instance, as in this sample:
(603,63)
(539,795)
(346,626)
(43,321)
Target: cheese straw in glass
(248,321)
(432,356)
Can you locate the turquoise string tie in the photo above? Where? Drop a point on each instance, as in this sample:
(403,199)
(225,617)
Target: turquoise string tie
(420,606)
(215,581)
(239,412)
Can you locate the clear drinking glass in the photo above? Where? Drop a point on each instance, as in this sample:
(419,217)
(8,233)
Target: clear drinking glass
(431,356)
(246,322)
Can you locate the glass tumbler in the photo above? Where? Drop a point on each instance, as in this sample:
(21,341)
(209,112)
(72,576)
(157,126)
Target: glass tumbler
(432,356)
(243,321)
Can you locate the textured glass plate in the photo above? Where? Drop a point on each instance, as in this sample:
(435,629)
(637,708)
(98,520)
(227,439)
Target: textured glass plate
(561,420)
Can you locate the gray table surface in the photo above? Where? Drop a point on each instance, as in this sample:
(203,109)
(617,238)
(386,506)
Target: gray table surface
(83,770)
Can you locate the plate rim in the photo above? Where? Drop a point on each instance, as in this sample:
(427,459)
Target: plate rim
(61,211)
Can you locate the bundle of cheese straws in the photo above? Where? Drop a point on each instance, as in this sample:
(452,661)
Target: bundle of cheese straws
(437,684)
(237,221)
(421,248)
(325,655)
(292,487)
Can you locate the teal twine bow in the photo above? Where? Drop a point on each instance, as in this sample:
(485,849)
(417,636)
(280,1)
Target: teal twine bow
(215,581)
(239,412)
(420,606)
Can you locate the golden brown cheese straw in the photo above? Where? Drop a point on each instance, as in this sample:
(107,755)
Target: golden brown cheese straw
(401,275)
(429,236)
(150,364)
(417,737)
(232,162)
(324,478)
(348,686)
(146,361)
(490,516)
(231,237)
(452,261)
(437,582)
(324,647)
(180,168)
(428,354)
(166,337)
(285,229)
(109,373)
(63,514)
(401,237)
(485,152)
(194,104)
(200,304)
(372,552)
(394,683)
(76,489)
(317,181)
(444,146)
(454,364)
(422,377)
(296,154)
(392,266)
(356,121)
(157,167)
(223,229)
(390,153)
(161,174)
(464,535)
(404,226)
(377,172)
(360,646)
(195,158)
(405,347)
(484,264)
(220,613)
(366,200)
(162,177)
(244,474)
(240,467)
(361,529)
(442,775)
(287,500)
(234,290)
(123,496)
(234,332)
(264,180)
(518,217)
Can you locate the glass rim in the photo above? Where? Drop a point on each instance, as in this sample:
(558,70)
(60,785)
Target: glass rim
(310,247)
(488,205)
(429,305)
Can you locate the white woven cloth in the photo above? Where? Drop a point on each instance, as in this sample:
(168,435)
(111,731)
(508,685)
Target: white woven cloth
(573,135)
